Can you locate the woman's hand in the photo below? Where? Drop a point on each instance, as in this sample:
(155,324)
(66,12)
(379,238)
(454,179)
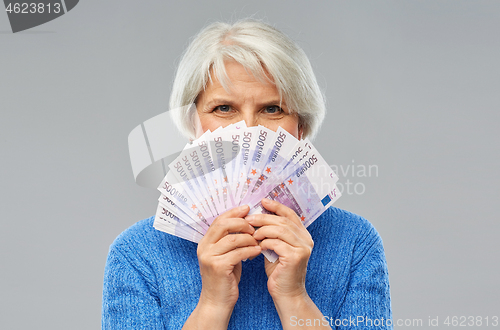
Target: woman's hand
(227,242)
(284,233)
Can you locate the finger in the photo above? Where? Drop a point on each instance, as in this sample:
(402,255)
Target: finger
(278,232)
(237,255)
(259,220)
(264,220)
(232,242)
(225,227)
(281,210)
(236,212)
(281,248)
(229,222)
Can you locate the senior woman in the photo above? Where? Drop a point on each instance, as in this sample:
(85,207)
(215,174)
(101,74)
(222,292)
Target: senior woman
(253,72)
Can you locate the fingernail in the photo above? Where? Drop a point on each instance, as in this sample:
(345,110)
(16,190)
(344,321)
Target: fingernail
(242,207)
(266,200)
(250,217)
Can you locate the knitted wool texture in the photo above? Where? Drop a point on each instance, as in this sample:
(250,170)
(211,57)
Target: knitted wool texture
(152,279)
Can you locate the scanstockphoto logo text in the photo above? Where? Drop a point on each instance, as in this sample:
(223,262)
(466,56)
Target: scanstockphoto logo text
(25,15)
(364,322)
(352,176)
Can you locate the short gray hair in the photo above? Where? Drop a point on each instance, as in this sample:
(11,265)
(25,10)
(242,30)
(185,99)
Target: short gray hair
(255,45)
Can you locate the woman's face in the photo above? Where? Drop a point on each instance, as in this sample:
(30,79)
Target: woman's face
(248,99)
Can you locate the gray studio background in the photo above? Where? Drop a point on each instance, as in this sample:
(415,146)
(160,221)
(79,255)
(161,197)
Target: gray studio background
(412,89)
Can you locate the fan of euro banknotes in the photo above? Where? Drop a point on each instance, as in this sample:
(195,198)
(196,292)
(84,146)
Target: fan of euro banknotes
(238,165)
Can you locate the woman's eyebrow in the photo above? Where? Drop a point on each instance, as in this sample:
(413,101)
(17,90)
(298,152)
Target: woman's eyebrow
(219,100)
(273,102)
(228,101)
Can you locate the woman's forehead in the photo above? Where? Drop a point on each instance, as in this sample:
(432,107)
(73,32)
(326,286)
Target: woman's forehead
(231,72)
(242,85)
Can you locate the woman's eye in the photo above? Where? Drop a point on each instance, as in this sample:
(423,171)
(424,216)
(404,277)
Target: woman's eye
(223,108)
(273,109)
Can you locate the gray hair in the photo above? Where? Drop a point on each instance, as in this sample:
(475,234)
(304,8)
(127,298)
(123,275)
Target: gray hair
(257,46)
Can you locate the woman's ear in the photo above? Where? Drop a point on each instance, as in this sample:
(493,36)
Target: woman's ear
(301,132)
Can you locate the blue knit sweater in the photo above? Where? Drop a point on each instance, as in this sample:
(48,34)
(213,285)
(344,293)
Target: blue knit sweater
(152,279)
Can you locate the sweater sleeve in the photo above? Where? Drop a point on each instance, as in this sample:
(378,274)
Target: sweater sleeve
(130,301)
(367,304)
